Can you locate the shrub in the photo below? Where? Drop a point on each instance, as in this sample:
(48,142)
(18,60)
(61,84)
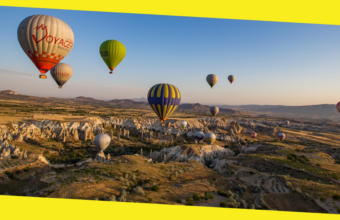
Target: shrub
(162,167)
(221,193)
(196,197)
(336,197)
(323,199)
(223,204)
(190,201)
(149,200)
(179,201)
(155,188)
(209,196)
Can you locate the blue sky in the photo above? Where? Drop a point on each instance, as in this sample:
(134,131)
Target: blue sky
(273,63)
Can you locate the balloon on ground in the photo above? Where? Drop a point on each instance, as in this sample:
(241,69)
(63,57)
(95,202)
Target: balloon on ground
(281,136)
(102,141)
(210,138)
(184,124)
(164,99)
(199,135)
(61,73)
(253,134)
(214,110)
(112,52)
(46,40)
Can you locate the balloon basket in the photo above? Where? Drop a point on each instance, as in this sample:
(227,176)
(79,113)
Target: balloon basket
(60,87)
(43,77)
(111,72)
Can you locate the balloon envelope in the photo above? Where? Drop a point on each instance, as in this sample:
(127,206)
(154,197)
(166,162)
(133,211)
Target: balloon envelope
(164,99)
(212,79)
(102,141)
(199,135)
(61,73)
(112,52)
(281,136)
(287,122)
(338,106)
(46,40)
(254,134)
(231,78)
(210,138)
(214,110)
(184,124)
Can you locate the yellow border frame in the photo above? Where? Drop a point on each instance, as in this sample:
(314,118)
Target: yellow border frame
(322,12)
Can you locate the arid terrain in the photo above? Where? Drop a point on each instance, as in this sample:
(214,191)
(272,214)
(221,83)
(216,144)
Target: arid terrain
(47,150)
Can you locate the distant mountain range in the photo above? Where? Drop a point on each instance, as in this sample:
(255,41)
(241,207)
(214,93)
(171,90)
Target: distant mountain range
(319,112)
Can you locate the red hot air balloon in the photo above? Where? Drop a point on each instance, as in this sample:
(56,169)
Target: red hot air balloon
(338,106)
(46,40)
(253,134)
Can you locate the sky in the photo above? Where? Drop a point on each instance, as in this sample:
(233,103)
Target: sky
(274,63)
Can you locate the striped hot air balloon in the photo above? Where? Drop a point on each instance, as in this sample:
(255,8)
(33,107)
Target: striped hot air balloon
(164,99)
(214,110)
(112,52)
(61,73)
(46,40)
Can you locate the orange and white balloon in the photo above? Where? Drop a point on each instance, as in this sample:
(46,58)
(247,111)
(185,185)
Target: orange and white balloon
(281,136)
(46,40)
(61,73)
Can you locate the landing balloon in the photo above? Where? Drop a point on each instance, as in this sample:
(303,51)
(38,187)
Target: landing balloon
(102,141)
(212,79)
(184,124)
(210,138)
(281,136)
(253,134)
(164,99)
(199,135)
(46,40)
(61,73)
(112,52)
(214,110)
(231,79)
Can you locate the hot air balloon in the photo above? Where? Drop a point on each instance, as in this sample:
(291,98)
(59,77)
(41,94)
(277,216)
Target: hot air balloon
(212,79)
(338,106)
(281,136)
(46,40)
(231,79)
(102,141)
(253,134)
(214,110)
(286,122)
(112,52)
(164,99)
(199,135)
(184,124)
(61,73)
(210,138)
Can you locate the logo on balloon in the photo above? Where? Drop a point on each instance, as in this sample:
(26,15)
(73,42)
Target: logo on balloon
(51,39)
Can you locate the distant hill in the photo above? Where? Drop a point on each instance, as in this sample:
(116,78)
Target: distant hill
(324,111)
(205,109)
(142,99)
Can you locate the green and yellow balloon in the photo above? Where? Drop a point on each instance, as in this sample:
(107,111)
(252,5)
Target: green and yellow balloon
(112,52)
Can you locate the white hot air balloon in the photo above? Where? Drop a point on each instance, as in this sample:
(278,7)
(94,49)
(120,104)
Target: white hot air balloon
(214,110)
(61,73)
(199,135)
(46,40)
(102,141)
(184,124)
(210,138)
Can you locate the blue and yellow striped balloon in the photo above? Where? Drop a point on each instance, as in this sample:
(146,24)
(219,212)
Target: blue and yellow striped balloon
(164,99)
